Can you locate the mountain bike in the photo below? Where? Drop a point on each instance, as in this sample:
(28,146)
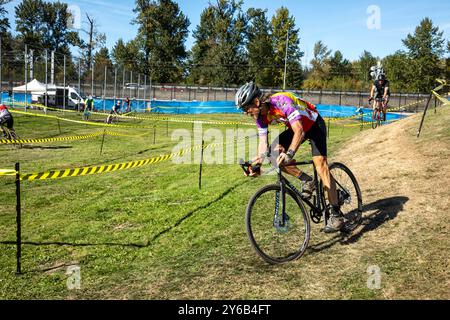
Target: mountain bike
(10,136)
(113,118)
(377,115)
(278,215)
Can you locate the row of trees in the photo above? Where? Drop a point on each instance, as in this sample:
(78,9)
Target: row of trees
(414,69)
(231,47)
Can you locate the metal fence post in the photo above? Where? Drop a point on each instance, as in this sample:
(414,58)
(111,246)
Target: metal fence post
(104,89)
(123,82)
(26,76)
(92,82)
(424,115)
(115,85)
(18,223)
(46,80)
(201,166)
(64,85)
(138,88)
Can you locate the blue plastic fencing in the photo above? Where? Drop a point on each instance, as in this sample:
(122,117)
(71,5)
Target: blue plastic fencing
(210,107)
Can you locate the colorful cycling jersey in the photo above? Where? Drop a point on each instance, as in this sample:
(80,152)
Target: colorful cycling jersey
(4,113)
(288,108)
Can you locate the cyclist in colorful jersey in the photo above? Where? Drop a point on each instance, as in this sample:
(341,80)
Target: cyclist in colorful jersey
(304,123)
(6,118)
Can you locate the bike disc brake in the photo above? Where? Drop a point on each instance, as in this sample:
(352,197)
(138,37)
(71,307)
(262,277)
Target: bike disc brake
(283,229)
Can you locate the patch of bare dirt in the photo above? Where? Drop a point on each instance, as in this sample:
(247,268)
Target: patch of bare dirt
(391,164)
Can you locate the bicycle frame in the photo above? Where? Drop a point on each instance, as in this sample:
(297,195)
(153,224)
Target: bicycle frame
(318,209)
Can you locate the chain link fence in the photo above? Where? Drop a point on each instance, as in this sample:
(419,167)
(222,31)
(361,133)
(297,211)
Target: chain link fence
(109,83)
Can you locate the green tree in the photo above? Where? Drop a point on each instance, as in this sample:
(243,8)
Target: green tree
(4,22)
(260,48)
(399,69)
(339,67)
(282,25)
(56,34)
(363,65)
(102,59)
(30,22)
(163,30)
(128,55)
(218,55)
(426,48)
(320,66)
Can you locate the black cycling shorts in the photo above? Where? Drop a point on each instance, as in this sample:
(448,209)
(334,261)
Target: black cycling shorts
(317,135)
(8,121)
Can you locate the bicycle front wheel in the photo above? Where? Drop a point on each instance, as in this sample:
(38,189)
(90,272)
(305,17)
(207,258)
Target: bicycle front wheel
(375,120)
(273,241)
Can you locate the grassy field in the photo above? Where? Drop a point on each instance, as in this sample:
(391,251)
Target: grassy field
(150,233)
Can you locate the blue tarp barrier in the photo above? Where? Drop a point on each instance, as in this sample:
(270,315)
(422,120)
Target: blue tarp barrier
(211,107)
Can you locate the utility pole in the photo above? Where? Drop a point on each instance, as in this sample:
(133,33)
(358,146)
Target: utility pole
(92,83)
(79,75)
(31,64)
(104,89)
(52,79)
(46,80)
(285,60)
(26,76)
(64,84)
(115,85)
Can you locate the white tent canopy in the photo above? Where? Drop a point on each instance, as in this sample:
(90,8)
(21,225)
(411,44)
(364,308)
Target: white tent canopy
(33,87)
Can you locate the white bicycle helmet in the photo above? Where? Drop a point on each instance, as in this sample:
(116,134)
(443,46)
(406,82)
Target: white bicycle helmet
(246,94)
(381,76)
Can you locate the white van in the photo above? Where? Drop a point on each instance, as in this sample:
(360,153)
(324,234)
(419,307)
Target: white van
(56,97)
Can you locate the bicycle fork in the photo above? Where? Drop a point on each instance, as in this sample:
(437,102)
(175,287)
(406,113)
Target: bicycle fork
(281,220)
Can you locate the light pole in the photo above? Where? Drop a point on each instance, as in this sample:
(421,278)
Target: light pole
(285,60)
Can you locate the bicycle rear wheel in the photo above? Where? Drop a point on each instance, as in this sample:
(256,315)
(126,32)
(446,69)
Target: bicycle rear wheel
(349,195)
(13,137)
(274,243)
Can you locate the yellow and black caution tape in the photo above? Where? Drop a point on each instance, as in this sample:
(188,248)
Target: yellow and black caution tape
(59,174)
(151,117)
(86,171)
(80,122)
(443,83)
(60,139)
(7,172)
(367,123)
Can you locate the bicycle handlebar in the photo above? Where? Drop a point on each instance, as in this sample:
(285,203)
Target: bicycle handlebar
(246,165)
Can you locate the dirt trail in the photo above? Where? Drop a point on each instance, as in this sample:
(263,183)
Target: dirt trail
(408,178)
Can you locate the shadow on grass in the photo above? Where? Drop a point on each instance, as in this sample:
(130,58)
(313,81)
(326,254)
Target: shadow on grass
(46,148)
(384,211)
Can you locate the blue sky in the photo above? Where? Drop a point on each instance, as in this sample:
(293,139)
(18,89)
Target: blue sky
(341,25)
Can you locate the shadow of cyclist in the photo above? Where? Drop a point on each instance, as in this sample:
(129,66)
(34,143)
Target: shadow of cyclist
(382,211)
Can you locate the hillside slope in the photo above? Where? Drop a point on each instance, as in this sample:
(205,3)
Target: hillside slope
(407,180)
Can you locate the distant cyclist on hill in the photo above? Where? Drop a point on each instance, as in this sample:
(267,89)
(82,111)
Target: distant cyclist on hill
(304,123)
(380,93)
(6,118)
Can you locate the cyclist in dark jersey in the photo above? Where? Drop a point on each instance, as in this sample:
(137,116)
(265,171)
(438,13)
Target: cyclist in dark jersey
(380,93)
(304,123)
